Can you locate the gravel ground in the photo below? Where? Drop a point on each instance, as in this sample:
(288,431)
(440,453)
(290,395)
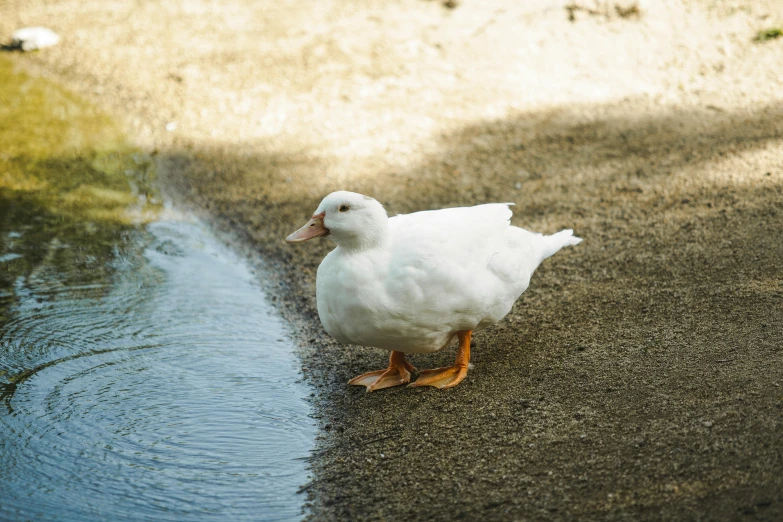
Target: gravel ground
(641,375)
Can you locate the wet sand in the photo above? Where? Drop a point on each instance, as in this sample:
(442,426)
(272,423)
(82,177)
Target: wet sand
(641,375)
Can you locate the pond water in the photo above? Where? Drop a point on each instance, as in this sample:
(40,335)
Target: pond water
(142,374)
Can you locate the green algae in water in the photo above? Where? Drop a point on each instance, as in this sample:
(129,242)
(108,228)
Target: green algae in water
(69,183)
(67,158)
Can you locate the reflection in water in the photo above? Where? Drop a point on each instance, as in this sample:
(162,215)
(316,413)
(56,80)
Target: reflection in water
(142,375)
(164,391)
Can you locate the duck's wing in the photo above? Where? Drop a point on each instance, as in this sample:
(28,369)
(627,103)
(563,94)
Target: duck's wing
(450,231)
(444,263)
(469,260)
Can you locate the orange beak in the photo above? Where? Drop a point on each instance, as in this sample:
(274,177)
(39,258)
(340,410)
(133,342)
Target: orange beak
(313,228)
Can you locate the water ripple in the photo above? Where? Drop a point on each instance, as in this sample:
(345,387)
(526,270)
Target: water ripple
(155,390)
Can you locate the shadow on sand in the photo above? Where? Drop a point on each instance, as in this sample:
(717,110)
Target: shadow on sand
(641,373)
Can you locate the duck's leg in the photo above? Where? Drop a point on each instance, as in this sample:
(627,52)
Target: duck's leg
(449,376)
(398,372)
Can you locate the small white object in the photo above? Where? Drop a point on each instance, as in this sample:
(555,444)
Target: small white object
(32,38)
(171,126)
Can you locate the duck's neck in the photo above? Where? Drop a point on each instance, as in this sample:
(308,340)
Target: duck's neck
(373,234)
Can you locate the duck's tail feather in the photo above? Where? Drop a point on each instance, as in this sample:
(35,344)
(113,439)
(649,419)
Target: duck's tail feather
(553,243)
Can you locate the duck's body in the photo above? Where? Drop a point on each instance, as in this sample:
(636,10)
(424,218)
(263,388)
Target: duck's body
(412,283)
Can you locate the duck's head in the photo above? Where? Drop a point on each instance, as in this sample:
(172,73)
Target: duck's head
(350,219)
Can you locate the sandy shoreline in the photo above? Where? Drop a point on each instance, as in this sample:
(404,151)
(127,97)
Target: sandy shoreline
(641,374)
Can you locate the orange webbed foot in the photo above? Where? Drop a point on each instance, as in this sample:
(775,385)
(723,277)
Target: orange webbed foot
(445,377)
(448,376)
(398,372)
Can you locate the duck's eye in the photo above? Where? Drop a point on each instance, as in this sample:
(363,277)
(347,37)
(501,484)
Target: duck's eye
(344,208)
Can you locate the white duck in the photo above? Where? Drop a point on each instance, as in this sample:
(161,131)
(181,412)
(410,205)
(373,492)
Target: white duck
(414,282)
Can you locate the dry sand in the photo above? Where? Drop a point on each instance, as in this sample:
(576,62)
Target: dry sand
(641,375)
